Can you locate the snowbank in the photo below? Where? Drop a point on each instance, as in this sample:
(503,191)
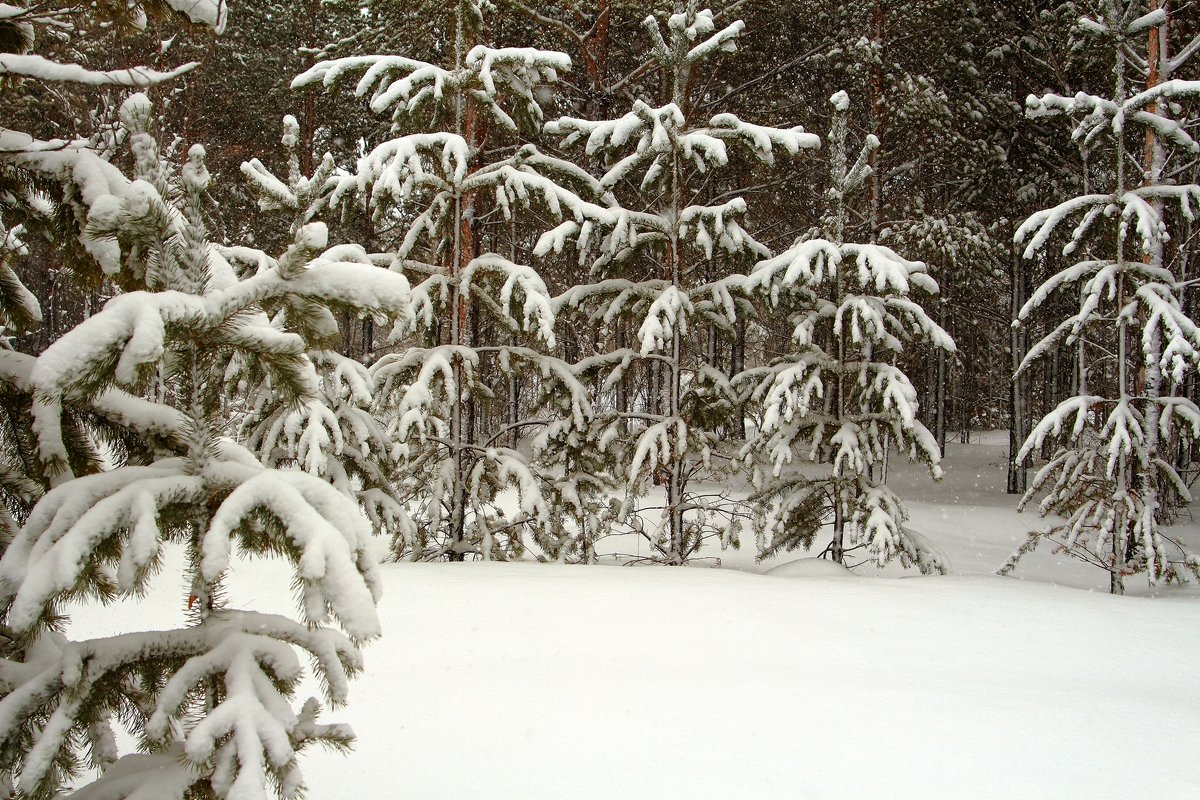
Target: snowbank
(531,681)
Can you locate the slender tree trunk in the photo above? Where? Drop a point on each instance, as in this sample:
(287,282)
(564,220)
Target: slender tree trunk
(1050,397)
(459,305)
(875,159)
(623,384)
(514,411)
(1121,531)
(368,341)
(837,546)
(1018,414)
(940,384)
(737,363)
(308,101)
(1153,160)
(676,478)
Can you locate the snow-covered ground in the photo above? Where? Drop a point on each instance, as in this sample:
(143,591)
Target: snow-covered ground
(535,681)
(969,517)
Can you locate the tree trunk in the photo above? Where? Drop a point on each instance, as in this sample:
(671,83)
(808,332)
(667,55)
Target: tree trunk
(737,363)
(1153,160)
(940,383)
(878,31)
(1018,413)
(308,102)
(460,302)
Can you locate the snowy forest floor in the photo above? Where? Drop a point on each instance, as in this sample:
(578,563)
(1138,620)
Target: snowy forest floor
(499,681)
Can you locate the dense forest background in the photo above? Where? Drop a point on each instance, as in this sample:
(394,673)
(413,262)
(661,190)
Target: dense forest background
(941,84)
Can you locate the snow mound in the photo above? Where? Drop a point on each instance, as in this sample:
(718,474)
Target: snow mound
(810,568)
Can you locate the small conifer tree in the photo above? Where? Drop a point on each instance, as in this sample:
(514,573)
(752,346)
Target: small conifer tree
(338,436)
(838,397)
(438,177)
(208,703)
(651,253)
(1108,479)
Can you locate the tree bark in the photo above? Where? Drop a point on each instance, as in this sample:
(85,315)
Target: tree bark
(878,32)
(1018,411)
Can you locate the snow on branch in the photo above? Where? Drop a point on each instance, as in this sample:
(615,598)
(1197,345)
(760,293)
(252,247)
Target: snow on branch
(1046,221)
(562,379)
(667,314)
(152,420)
(817,262)
(99,185)
(723,41)
(1185,195)
(273,193)
(395,169)
(432,366)
(39,68)
(254,655)
(510,468)
(684,29)
(378,74)
(762,139)
(706,225)
(248,733)
(141,776)
(1123,430)
(794,390)
(326,538)
(131,331)
(1065,277)
(519,69)
(333,278)
(1168,320)
(809,262)
(537,311)
(1053,424)
(654,126)
(53,551)
(1147,221)
(212,13)
(1098,114)
(613,295)
(323,533)
(656,445)
(522,178)
(883,269)
(405,85)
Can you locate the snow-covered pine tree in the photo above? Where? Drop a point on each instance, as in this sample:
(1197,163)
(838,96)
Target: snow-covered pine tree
(337,436)
(922,85)
(47,190)
(659,155)
(838,397)
(1133,339)
(436,182)
(209,703)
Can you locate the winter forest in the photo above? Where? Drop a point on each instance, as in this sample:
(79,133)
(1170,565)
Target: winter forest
(652,398)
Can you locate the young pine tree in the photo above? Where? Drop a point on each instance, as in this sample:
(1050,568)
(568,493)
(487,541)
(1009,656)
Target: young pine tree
(208,704)
(338,436)
(838,398)
(482,315)
(1133,340)
(654,263)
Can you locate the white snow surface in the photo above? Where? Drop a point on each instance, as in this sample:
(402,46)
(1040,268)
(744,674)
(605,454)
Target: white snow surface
(539,681)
